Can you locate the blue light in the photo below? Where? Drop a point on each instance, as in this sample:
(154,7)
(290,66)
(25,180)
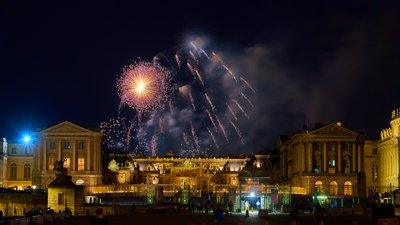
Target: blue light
(27,138)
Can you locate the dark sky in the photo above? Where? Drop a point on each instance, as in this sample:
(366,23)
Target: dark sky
(308,61)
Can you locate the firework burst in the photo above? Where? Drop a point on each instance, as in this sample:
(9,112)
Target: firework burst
(189,100)
(143,86)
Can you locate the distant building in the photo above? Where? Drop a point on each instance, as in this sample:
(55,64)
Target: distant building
(80,147)
(388,150)
(328,163)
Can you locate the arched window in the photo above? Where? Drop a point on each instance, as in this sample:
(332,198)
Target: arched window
(27,171)
(13,174)
(333,188)
(318,186)
(348,188)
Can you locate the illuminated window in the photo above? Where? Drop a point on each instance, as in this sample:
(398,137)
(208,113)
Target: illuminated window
(348,188)
(51,161)
(81,164)
(27,171)
(67,145)
(333,188)
(318,186)
(375,172)
(67,163)
(52,145)
(60,198)
(13,174)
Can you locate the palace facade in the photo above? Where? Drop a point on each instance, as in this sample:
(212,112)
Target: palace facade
(329,162)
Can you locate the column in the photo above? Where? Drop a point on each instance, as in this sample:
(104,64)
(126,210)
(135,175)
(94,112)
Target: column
(305,155)
(324,158)
(44,165)
(309,157)
(37,159)
(73,159)
(361,157)
(339,157)
(87,160)
(353,158)
(94,161)
(59,149)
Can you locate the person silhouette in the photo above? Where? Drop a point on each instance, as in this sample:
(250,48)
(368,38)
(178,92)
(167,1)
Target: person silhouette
(99,219)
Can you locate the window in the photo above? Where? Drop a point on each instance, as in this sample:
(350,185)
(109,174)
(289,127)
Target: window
(13,174)
(331,166)
(27,171)
(27,152)
(318,186)
(81,164)
(375,172)
(60,198)
(67,145)
(52,160)
(14,150)
(67,163)
(333,188)
(52,145)
(348,188)
(374,151)
(81,145)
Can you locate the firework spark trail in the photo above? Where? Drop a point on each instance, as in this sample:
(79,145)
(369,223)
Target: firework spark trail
(248,100)
(161,125)
(194,57)
(237,131)
(210,102)
(217,57)
(199,76)
(205,53)
(230,72)
(241,109)
(192,101)
(193,45)
(178,60)
(248,85)
(231,111)
(195,72)
(213,138)
(222,128)
(196,140)
(154,141)
(212,120)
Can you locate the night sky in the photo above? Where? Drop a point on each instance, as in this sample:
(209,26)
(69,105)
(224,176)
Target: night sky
(309,62)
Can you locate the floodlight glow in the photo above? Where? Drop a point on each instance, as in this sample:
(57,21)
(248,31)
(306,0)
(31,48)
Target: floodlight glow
(27,138)
(252,194)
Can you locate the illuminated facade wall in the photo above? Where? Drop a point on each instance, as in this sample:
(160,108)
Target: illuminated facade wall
(389,154)
(19,166)
(172,174)
(327,160)
(79,146)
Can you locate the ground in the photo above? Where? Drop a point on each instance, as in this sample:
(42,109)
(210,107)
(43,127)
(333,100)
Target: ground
(198,219)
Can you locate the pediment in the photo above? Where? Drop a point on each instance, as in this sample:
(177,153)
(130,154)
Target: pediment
(334,130)
(66,127)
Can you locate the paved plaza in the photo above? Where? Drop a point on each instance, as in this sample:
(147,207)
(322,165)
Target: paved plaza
(201,219)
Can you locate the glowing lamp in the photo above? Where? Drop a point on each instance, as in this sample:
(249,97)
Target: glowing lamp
(27,138)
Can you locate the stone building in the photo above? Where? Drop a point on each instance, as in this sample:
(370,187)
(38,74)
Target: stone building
(388,149)
(327,163)
(81,149)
